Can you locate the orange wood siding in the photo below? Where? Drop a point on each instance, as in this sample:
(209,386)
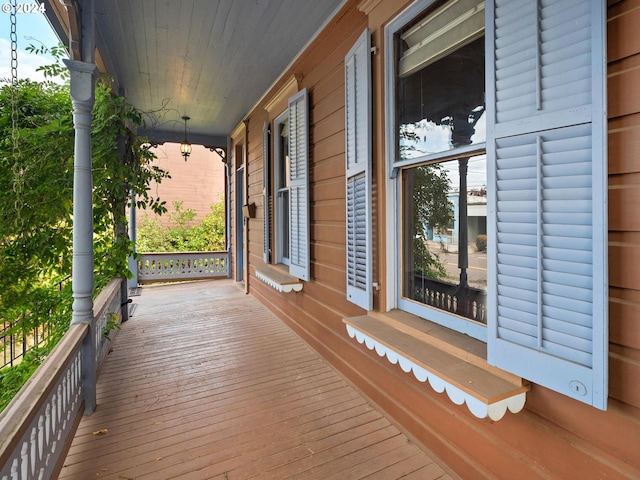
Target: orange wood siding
(623,53)
(554,437)
(254,190)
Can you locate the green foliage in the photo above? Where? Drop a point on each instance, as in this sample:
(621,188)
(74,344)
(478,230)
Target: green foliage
(54,70)
(430,196)
(183,234)
(112,324)
(214,225)
(12,379)
(122,166)
(430,208)
(427,263)
(481,243)
(36,193)
(36,182)
(56,305)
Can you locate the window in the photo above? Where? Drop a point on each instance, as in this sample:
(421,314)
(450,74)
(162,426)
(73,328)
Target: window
(290,189)
(539,133)
(282,169)
(440,144)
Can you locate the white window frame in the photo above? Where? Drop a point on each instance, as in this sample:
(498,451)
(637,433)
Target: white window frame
(279,215)
(393,179)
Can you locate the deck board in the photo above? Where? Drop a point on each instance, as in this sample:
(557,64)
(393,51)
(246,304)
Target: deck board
(204,382)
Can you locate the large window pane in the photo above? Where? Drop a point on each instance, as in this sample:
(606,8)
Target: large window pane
(283,167)
(441,107)
(444,227)
(440,118)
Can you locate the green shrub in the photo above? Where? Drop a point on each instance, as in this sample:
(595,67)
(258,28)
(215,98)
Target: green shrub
(36,201)
(183,234)
(481,243)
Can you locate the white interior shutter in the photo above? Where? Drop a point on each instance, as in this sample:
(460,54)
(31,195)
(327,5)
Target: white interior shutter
(357,65)
(547,267)
(299,185)
(266,192)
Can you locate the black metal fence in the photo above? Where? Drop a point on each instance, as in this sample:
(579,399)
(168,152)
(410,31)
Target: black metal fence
(17,337)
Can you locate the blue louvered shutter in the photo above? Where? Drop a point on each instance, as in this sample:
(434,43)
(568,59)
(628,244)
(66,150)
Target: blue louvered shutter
(547,150)
(299,185)
(266,192)
(357,66)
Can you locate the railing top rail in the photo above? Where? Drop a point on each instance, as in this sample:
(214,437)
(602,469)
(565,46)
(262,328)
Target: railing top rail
(204,252)
(102,300)
(212,252)
(17,416)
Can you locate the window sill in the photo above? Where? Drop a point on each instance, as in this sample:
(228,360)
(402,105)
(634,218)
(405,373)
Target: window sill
(279,279)
(448,360)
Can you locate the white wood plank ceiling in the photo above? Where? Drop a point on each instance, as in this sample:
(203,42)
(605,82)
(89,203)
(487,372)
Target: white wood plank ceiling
(209,59)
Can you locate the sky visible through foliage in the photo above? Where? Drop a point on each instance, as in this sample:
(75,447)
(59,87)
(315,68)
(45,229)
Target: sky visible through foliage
(31,28)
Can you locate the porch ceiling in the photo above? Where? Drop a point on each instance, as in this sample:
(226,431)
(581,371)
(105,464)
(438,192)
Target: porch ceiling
(210,60)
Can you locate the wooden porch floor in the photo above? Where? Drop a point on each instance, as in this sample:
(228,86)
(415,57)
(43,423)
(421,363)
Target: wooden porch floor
(204,382)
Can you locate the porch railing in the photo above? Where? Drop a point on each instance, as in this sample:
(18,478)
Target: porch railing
(170,267)
(464,301)
(37,427)
(16,342)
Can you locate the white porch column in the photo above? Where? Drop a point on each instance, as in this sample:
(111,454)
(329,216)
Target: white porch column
(82,98)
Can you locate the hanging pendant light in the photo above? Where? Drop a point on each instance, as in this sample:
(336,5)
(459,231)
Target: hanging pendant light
(185,146)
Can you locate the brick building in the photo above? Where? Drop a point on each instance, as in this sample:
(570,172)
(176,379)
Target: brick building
(198,182)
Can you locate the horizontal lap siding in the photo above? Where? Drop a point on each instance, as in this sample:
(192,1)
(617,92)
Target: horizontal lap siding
(319,308)
(328,193)
(554,437)
(254,189)
(623,53)
(323,75)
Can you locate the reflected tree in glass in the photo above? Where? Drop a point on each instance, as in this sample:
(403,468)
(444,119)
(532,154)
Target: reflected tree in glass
(426,206)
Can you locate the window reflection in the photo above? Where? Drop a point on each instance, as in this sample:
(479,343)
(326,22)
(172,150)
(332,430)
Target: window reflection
(444,228)
(440,113)
(283,166)
(442,107)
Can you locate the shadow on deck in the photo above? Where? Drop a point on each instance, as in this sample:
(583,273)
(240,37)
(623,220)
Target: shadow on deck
(204,382)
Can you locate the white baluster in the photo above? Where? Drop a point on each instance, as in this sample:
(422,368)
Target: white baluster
(60,399)
(41,434)
(24,461)
(33,450)
(65,395)
(15,475)
(47,424)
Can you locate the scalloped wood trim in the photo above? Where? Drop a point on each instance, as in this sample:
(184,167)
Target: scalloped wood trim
(279,280)
(480,403)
